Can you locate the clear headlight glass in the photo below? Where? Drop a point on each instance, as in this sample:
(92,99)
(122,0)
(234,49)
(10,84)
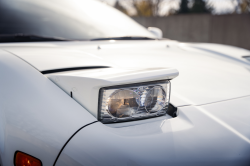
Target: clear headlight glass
(133,102)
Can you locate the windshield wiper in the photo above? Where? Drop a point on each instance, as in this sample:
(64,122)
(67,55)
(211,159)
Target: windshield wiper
(5,38)
(124,38)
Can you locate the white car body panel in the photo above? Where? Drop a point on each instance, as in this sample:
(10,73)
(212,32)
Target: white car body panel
(41,65)
(205,129)
(232,52)
(36,116)
(198,69)
(200,135)
(49,58)
(84,85)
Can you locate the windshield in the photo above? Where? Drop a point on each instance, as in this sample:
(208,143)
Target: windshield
(68,19)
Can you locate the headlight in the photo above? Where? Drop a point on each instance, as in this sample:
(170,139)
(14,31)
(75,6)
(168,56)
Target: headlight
(133,102)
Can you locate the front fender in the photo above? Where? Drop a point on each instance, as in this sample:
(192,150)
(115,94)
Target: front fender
(36,116)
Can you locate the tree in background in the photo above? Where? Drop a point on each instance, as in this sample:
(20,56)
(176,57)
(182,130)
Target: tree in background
(245,6)
(197,6)
(242,6)
(144,8)
(147,7)
(120,7)
(201,6)
(183,7)
(158,7)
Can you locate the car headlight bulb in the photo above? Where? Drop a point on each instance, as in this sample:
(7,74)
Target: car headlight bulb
(122,103)
(133,102)
(155,99)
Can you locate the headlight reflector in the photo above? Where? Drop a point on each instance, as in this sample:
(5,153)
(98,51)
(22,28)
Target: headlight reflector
(155,99)
(132,102)
(122,103)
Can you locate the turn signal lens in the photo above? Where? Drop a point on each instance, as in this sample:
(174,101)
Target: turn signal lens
(22,159)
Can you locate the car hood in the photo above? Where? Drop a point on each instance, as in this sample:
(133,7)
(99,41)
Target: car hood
(46,57)
(208,72)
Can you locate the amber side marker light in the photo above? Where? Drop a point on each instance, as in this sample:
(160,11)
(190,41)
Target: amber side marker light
(23,159)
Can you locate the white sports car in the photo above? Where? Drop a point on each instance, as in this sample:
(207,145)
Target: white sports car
(83,84)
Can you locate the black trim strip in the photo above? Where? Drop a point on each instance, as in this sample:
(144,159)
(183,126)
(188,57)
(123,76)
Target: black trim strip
(70,139)
(72,68)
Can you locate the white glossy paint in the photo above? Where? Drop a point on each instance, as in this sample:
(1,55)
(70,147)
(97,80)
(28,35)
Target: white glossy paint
(216,132)
(202,72)
(36,116)
(219,50)
(85,84)
(52,57)
(196,137)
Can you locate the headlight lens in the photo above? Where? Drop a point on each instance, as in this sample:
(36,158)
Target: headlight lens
(133,102)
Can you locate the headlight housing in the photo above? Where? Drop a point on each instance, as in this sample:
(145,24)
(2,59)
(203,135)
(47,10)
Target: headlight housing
(134,101)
